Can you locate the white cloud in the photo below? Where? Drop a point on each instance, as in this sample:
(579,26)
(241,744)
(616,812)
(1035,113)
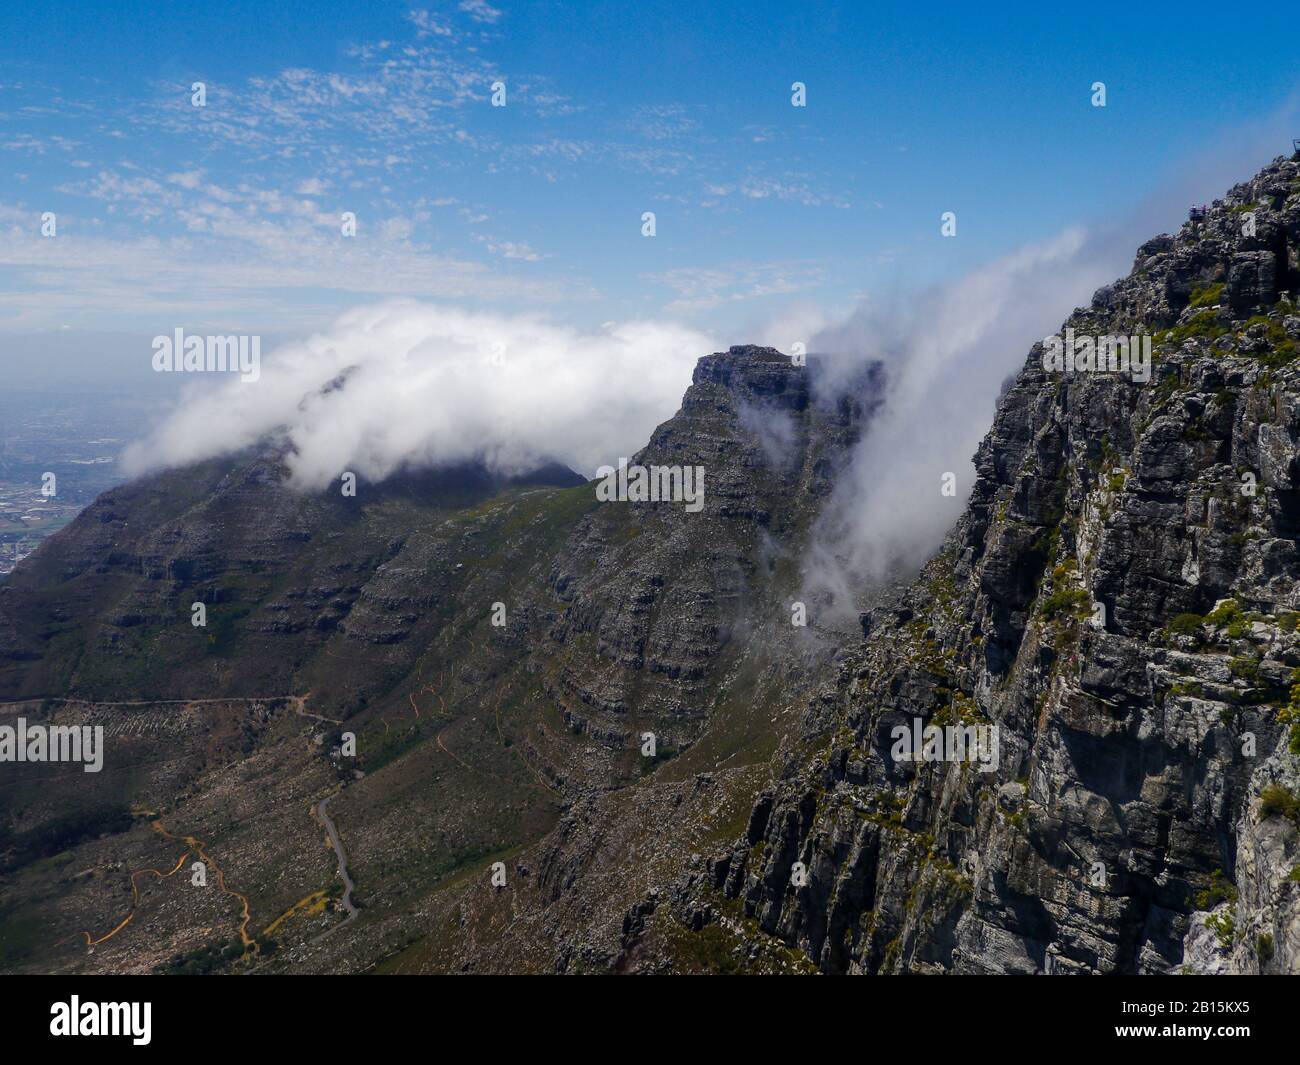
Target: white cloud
(706,288)
(434,385)
(510,249)
(428,24)
(480,10)
(244,247)
(945,353)
(188,179)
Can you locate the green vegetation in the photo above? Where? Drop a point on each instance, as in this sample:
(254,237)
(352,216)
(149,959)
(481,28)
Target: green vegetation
(210,958)
(1264,947)
(1228,616)
(224,629)
(1290,714)
(1225,613)
(1282,349)
(1224,927)
(1203,325)
(1207,295)
(1278,801)
(63,832)
(1066,568)
(1221,889)
(1072,602)
(1185,625)
(1246,667)
(715,947)
(1206,324)
(22,933)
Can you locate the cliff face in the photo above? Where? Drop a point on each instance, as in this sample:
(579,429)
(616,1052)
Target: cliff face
(1120,600)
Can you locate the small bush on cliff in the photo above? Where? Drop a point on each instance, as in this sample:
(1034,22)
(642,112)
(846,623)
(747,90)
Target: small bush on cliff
(1221,889)
(1228,616)
(1277,801)
(1224,927)
(1185,625)
(1290,714)
(1246,668)
(1225,613)
(1069,601)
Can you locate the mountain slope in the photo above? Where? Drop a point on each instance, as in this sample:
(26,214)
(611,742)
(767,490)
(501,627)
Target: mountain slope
(374,616)
(1143,817)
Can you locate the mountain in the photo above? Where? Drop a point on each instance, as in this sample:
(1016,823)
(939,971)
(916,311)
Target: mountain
(374,615)
(1118,601)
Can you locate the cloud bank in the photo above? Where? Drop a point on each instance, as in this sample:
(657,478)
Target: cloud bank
(945,352)
(411,384)
(426,384)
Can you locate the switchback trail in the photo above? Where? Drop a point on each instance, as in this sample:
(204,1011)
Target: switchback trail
(198,846)
(135,900)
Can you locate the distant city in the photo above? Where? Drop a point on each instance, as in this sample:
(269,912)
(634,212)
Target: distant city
(76,438)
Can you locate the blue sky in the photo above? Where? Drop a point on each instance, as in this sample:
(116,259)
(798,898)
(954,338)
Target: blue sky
(227,217)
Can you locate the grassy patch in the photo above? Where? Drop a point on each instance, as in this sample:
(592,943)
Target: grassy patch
(1070,602)
(1186,625)
(1207,295)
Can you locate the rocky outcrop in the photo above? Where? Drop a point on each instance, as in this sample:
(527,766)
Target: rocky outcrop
(1119,602)
(654,595)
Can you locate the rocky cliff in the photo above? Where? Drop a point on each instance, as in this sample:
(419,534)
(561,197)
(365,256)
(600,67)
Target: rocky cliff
(1120,601)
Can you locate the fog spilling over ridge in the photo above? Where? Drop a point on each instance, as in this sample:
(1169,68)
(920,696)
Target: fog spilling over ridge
(945,353)
(413,384)
(405,383)
(408,384)
(947,350)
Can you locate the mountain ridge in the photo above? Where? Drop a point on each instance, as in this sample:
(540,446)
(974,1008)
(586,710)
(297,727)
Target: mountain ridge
(1126,829)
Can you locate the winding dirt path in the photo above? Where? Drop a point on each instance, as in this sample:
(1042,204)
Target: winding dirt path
(199,848)
(135,900)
